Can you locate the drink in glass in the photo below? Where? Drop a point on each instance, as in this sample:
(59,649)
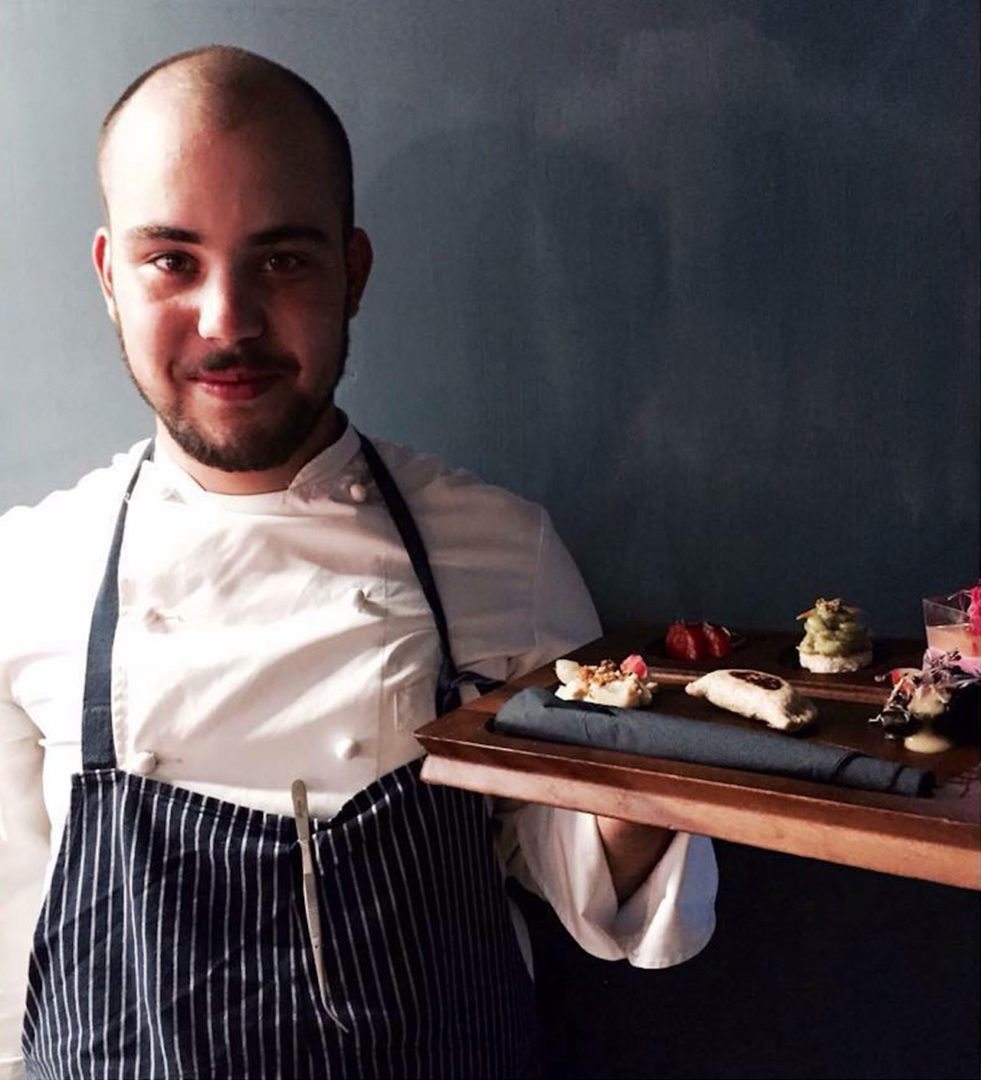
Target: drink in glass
(954,622)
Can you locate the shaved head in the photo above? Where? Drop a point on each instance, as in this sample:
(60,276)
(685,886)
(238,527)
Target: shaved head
(229,88)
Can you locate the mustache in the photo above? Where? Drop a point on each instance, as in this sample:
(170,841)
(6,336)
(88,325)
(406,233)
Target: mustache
(257,362)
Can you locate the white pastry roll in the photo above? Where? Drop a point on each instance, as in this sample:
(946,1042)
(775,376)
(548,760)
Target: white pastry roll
(756,695)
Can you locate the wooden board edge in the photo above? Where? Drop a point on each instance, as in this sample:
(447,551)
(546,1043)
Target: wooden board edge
(845,844)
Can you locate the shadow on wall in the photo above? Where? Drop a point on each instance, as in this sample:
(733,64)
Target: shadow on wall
(536,278)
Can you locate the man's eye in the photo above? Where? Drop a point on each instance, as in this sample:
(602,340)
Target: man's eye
(173,262)
(282,262)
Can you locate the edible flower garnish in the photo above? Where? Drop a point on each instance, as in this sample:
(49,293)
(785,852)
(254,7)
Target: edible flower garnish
(974,610)
(918,695)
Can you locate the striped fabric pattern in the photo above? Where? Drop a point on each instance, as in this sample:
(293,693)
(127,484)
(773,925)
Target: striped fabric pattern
(173,942)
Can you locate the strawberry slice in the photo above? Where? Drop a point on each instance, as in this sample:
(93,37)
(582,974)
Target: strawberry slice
(718,639)
(634,665)
(686,641)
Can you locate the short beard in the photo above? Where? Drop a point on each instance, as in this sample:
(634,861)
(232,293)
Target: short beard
(257,449)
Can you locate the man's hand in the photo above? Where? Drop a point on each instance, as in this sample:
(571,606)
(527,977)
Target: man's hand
(632,852)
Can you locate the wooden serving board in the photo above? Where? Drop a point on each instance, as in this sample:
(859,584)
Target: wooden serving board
(935,839)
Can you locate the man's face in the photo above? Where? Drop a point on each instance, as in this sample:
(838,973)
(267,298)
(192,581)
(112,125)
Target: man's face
(227,274)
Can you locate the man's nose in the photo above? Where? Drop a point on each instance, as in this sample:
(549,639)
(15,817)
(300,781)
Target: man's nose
(229,310)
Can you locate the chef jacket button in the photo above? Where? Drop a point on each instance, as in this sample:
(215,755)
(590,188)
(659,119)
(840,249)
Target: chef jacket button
(144,762)
(359,600)
(346,748)
(358,492)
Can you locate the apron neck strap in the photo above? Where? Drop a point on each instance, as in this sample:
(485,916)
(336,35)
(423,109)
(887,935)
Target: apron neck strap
(448,679)
(98,750)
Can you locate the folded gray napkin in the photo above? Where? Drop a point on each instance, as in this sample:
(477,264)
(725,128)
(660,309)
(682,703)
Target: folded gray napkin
(539,714)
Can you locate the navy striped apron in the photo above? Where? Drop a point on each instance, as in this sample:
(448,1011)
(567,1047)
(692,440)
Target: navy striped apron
(173,941)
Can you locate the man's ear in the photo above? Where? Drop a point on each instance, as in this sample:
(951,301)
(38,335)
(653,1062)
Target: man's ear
(358,258)
(102,260)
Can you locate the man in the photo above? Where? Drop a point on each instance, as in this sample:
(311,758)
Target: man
(225,640)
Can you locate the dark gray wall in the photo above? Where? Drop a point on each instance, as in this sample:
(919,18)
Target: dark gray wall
(700,275)
(703,278)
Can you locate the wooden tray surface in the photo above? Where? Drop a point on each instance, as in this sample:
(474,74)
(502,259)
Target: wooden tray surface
(936,838)
(777,653)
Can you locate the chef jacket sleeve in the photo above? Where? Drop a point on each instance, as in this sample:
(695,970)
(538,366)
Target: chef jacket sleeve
(559,853)
(24,842)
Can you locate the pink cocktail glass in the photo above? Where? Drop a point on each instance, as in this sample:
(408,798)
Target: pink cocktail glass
(954,622)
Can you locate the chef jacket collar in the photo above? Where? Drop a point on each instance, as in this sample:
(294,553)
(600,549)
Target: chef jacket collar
(166,479)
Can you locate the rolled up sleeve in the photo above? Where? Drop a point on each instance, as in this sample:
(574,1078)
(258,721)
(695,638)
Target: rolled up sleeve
(669,919)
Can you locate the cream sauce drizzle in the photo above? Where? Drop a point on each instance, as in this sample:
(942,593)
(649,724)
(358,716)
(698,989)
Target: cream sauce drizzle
(927,741)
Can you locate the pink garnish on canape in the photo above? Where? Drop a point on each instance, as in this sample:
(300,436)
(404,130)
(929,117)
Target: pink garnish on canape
(634,665)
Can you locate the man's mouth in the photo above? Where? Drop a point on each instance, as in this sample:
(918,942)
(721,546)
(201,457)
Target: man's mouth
(236,384)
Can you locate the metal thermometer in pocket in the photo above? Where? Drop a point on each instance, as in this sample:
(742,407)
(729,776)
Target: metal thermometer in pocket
(301,812)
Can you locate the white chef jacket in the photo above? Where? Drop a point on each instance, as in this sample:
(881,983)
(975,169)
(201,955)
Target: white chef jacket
(267,637)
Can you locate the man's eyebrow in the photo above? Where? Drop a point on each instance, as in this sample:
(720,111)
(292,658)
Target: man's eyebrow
(163,232)
(275,235)
(278,233)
